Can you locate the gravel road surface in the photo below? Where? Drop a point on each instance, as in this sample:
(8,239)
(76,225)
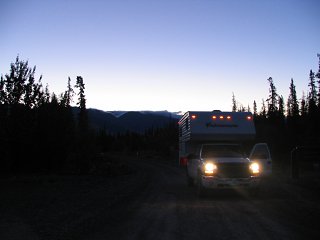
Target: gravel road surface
(152,201)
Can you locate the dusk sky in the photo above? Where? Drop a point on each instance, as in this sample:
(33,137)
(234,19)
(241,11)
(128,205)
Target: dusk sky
(174,55)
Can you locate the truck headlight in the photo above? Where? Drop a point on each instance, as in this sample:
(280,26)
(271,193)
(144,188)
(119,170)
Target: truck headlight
(210,168)
(255,168)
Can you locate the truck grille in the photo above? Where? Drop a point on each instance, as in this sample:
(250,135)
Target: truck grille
(233,170)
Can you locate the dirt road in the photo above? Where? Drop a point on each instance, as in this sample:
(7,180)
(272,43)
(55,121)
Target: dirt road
(154,202)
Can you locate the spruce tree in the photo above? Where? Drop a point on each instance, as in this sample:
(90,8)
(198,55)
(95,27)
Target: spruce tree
(234,103)
(303,105)
(318,76)
(83,118)
(312,96)
(69,93)
(273,99)
(281,107)
(19,87)
(255,108)
(263,111)
(292,104)
(3,95)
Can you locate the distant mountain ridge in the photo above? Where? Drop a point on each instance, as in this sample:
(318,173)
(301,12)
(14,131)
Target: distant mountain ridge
(160,113)
(133,121)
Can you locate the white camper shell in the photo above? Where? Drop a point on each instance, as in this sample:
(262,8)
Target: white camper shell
(223,133)
(213,126)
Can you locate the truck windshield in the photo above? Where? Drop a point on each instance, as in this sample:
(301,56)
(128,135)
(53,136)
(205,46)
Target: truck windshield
(216,151)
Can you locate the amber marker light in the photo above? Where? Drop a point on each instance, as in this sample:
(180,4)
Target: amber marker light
(229,117)
(214,117)
(221,117)
(193,116)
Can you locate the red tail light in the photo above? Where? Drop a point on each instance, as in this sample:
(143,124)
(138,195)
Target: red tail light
(193,116)
(183,161)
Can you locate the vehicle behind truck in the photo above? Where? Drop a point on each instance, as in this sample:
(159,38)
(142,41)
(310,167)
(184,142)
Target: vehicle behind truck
(213,149)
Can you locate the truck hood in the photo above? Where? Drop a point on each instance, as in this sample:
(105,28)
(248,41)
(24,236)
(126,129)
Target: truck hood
(227,160)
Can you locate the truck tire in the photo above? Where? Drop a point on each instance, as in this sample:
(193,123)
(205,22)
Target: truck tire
(201,191)
(254,192)
(190,180)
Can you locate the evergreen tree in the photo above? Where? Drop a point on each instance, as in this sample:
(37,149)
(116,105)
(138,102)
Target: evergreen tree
(68,94)
(281,107)
(312,96)
(263,111)
(20,95)
(234,103)
(318,76)
(83,118)
(19,87)
(3,96)
(303,105)
(272,100)
(292,104)
(289,112)
(38,94)
(85,151)
(46,94)
(255,113)
(241,108)
(29,99)
(66,97)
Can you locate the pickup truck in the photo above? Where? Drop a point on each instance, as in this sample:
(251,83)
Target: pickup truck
(224,166)
(211,149)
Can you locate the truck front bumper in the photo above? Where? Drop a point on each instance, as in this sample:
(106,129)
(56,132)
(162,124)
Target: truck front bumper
(215,182)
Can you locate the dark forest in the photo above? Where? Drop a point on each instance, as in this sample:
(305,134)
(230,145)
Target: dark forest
(40,132)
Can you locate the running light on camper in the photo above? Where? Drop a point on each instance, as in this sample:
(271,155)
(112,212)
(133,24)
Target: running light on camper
(193,116)
(249,117)
(221,117)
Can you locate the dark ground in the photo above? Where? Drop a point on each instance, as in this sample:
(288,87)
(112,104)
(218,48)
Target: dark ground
(148,198)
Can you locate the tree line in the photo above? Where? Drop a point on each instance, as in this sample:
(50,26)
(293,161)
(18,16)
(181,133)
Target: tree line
(40,132)
(291,123)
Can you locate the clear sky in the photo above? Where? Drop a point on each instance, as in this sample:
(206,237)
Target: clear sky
(174,55)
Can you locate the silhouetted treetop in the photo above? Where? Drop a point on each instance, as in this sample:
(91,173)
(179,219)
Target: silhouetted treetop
(312,96)
(273,99)
(292,104)
(19,86)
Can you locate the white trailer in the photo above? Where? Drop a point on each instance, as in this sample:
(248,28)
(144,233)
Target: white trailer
(210,147)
